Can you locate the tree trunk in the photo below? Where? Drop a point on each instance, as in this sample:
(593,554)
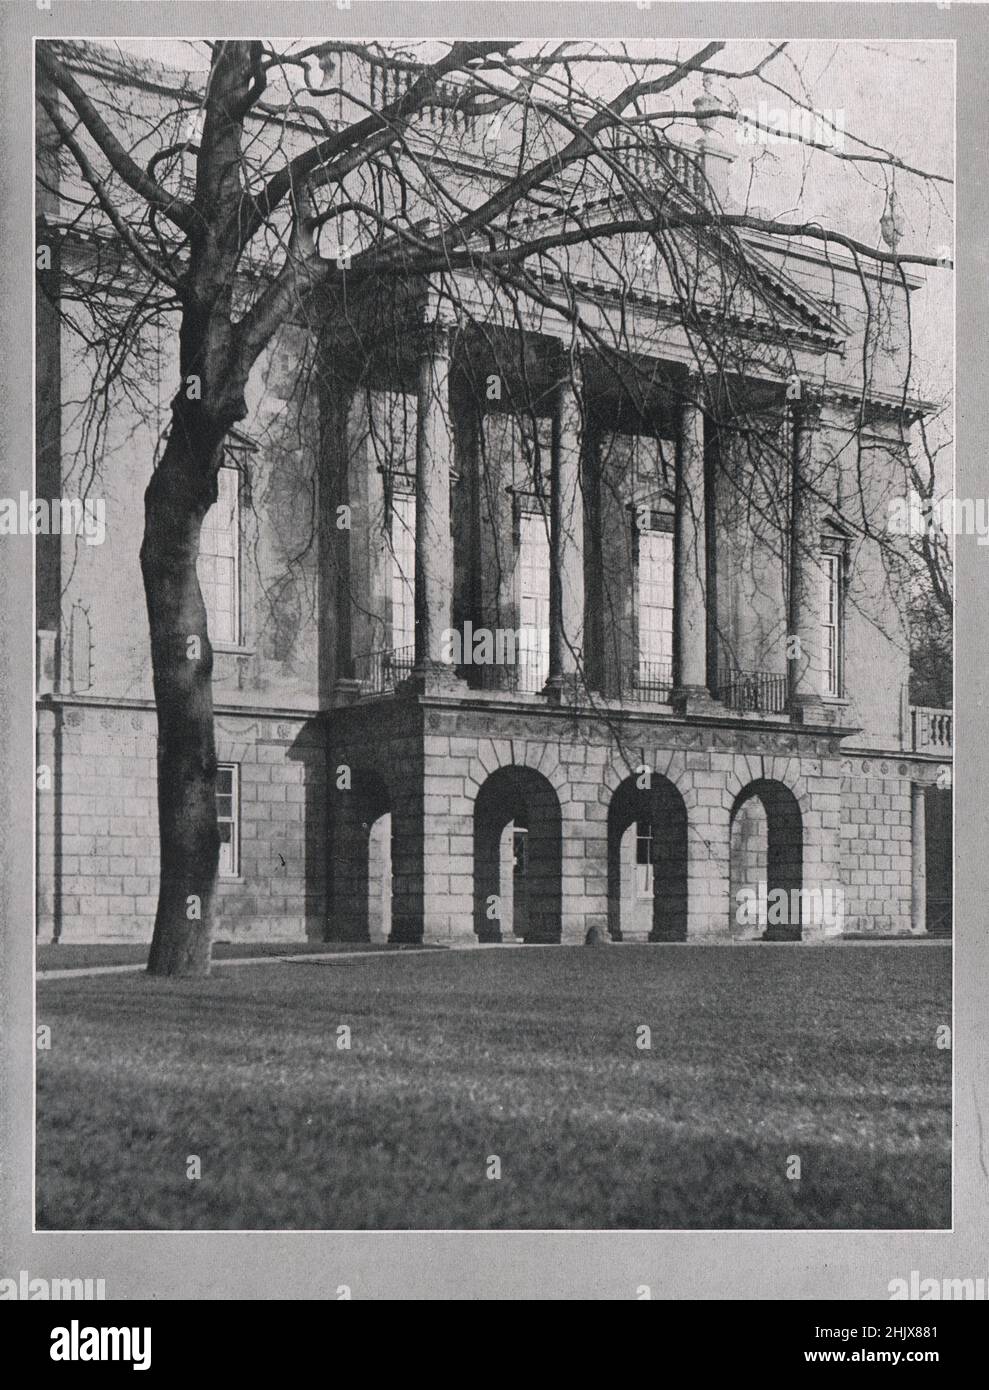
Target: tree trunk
(180,492)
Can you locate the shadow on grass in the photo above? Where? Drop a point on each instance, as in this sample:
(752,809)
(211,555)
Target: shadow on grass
(756,1058)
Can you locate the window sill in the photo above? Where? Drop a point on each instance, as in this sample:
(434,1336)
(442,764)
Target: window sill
(232,649)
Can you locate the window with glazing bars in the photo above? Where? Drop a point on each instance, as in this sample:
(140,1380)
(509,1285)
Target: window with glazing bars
(219,560)
(533,654)
(228,818)
(831,624)
(403,546)
(655,600)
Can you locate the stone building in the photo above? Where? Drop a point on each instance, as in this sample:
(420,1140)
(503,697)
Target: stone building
(518,631)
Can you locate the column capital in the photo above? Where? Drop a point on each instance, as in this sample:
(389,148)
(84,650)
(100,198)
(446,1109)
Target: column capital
(433,337)
(698,388)
(565,362)
(806,412)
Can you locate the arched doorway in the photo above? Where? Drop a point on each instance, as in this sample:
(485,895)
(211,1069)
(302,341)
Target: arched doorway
(518,853)
(361,860)
(647,862)
(748,871)
(766,862)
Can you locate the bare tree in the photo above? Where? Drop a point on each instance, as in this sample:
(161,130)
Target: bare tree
(283,187)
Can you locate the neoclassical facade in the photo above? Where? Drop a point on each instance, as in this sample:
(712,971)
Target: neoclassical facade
(520,629)
(681,733)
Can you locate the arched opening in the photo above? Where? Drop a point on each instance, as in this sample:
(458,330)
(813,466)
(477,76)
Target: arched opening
(647,862)
(361,855)
(749,869)
(518,852)
(766,866)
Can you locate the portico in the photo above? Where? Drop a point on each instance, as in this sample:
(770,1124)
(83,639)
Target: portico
(577,504)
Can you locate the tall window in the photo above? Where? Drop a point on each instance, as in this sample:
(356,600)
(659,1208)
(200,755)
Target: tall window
(403,545)
(655,601)
(219,560)
(831,624)
(533,653)
(228,818)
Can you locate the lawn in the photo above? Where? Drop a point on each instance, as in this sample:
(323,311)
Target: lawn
(758,1055)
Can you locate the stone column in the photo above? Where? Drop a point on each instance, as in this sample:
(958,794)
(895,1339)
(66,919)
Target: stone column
(918,860)
(805,571)
(434,541)
(355,549)
(566,639)
(347,687)
(691,555)
(611,573)
(336,675)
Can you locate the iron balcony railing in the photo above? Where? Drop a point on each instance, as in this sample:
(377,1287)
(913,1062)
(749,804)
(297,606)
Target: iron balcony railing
(527,674)
(754,692)
(931,730)
(379,672)
(651,681)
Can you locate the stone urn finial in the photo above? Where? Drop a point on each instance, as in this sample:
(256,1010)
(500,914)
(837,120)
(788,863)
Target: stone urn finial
(891,223)
(705,105)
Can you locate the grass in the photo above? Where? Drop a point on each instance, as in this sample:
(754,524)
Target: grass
(758,1053)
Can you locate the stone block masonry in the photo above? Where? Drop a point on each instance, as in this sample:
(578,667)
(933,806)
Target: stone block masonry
(882,862)
(97,845)
(452,820)
(457,775)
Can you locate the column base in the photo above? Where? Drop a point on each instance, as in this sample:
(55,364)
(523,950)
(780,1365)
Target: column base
(694,699)
(566,689)
(812,712)
(432,678)
(346,691)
